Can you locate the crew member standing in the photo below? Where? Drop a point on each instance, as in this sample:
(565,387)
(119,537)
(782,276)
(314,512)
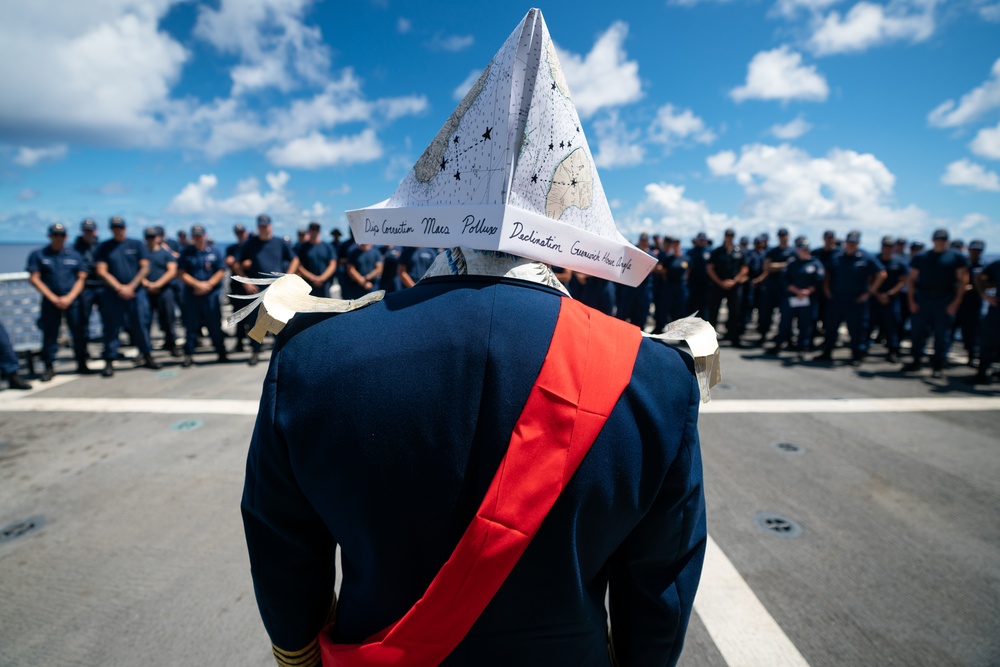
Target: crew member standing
(261,256)
(727,270)
(59,274)
(970,311)
(363,269)
(122,263)
(775,262)
(936,284)
(634,302)
(317,261)
(852,277)
(413,264)
(233,264)
(698,282)
(9,365)
(672,271)
(885,312)
(93,288)
(805,276)
(201,269)
(158,284)
(987,283)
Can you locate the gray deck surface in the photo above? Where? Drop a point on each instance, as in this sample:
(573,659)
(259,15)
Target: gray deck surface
(141,558)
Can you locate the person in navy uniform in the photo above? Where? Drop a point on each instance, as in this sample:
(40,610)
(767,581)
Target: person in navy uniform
(852,276)
(262,255)
(824,254)
(93,288)
(755,266)
(317,261)
(775,262)
(389,279)
(413,264)
(363,268)
(201,269)
(59,273)
(9,366)
(987,283)
(936,284)
(727,270)
(885,312)
(123,263)
(233,264)
(970,311)
(159,286)
(634,302)
(698,282)
(804,275)
(672,272)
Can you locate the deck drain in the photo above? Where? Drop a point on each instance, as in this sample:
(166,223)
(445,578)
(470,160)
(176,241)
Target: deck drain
(186,425)
(163,375)
(787,447)
(777,524)
(16,529)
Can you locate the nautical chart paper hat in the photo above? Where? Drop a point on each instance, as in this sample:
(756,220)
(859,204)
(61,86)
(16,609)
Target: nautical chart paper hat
(510,171)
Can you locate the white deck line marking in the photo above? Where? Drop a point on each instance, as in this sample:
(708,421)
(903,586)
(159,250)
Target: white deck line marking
(27,402)
(179,406)
(789,406)
(742,629)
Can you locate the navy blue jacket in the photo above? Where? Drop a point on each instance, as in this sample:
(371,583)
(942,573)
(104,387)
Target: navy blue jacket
(381,429)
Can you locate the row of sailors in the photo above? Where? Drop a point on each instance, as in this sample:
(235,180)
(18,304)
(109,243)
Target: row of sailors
(939,290)
(836,283)
(129,281)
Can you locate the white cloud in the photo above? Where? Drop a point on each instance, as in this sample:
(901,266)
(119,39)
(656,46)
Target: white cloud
(790,8)
(604,77)
(965,173)
(784,185)
(315,151)
(617,146)
(779,75)
(275,47)
(86,71)
(29,157)
(27,194)
(987,143)
(972,105)
(451,43)
(459,93)
(867,25)
(673,127)
(247,201)
(790,130)
(403,25)
(666,210)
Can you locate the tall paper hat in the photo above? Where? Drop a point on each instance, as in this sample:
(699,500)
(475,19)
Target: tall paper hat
(511,171)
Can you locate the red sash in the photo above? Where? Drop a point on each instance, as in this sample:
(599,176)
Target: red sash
(586,369)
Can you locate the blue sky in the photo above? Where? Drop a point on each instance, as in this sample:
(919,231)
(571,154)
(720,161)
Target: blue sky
(701,114)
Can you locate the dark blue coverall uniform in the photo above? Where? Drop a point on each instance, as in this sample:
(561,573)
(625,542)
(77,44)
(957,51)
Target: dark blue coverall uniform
(698,280)
(364,261)
(774,289)
(122,258)
(888,317)
(315,258)
(198,309)
(59,271)
(850,277)
(970,312)
(935,289)
(673,293)
(727,264)
(266,257)
(989,331)
(803,274)
(164,304)
(93,288)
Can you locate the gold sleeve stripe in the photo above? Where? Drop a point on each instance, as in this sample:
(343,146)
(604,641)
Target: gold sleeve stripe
(306,657)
